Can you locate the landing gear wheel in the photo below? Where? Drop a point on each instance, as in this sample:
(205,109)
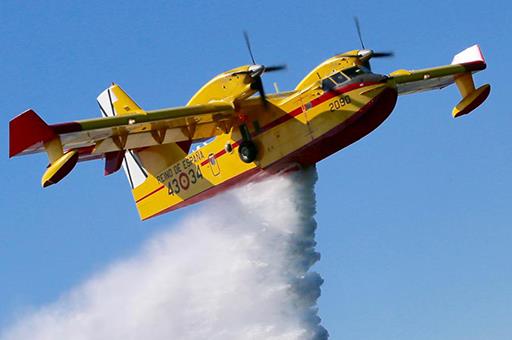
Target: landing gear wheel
(247,151)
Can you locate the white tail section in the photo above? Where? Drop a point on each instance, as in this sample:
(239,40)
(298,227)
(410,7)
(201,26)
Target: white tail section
(113,102)
(106,103)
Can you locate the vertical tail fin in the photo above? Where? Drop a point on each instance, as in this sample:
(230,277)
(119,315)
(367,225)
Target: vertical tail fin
(138,164)
(115,102)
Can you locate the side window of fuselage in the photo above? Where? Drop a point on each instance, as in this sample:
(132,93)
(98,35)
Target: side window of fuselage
(339,78)
(328,84)
(333,81)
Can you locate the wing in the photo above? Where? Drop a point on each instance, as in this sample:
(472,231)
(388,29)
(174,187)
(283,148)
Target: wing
(95,137)
(124,126)
(466,62)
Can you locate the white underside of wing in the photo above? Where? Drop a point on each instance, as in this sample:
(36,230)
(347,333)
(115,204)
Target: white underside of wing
(425,85)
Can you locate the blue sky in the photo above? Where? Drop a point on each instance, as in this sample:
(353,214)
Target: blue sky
(414,220)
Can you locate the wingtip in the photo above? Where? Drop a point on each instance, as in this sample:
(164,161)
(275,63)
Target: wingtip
(27,129)
(470,56)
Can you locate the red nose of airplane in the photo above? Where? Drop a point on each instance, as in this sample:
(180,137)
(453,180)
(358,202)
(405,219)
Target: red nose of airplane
(381,106)
(373,113)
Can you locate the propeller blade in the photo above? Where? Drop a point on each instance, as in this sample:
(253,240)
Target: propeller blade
(258,86)
(372,55)
(358,28)
(248,43)
(383,54)
(275,68)
(256,71)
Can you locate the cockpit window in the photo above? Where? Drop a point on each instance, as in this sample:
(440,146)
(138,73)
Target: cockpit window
(328,84)
(339,78)
(355,71)
(333,81)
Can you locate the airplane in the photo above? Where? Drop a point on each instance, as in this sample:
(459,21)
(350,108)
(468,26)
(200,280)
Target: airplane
(242,136)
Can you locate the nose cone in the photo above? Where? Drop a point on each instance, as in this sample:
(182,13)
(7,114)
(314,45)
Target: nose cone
(387,98)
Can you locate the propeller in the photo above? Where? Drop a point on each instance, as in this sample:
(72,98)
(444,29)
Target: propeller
(366,53)
(257,70)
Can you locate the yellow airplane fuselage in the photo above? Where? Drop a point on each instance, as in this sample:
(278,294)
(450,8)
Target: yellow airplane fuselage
(296,130)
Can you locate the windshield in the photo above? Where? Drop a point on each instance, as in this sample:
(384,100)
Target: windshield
(340,78)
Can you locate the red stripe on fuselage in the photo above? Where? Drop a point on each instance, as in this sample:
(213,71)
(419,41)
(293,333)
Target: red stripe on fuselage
(151,193)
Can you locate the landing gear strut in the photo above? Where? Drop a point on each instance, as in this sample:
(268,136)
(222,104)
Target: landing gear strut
(247,150)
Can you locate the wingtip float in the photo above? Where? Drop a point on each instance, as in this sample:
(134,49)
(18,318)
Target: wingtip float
(337,103)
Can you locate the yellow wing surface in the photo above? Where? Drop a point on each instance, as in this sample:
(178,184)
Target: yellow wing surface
(28,132)
(124,126)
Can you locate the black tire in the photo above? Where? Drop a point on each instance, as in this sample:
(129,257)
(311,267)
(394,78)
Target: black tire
(247,151)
